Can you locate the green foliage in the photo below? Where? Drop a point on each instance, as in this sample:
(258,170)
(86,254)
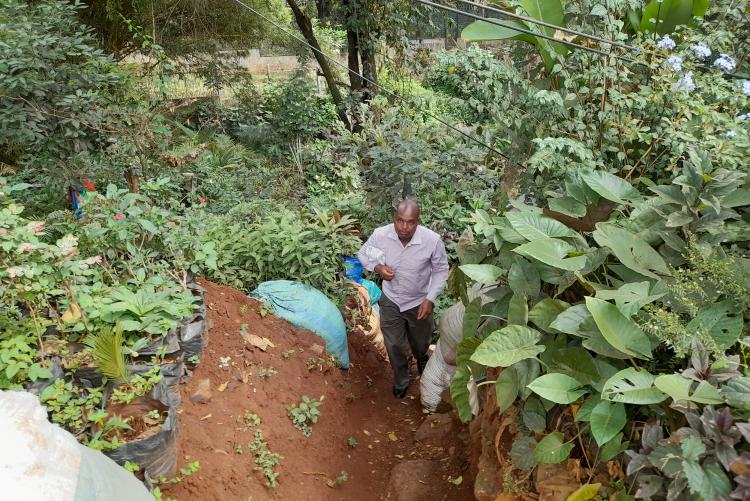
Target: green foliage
(59,92)
(107,350)
(578,119)
(77,409)
(305,414)
(623,274)
(294,109)
(279,245)
(703,465)
(664,17)
(550,12)
(138,385)
(265,460)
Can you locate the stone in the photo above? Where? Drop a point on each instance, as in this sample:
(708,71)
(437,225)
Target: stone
(203,393)
(317,349)
(435,429)
(412,480)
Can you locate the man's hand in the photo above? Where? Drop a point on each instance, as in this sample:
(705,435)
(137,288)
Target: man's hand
(385,272)
(424,309)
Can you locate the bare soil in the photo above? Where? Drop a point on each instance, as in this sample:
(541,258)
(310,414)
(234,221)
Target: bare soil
(357,403)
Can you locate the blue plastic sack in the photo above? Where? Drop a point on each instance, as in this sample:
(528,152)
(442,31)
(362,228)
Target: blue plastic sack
(353,269)
(372,289)
(307,308)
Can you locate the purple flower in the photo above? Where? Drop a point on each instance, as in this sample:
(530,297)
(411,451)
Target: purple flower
(745,86)
(701,50)
(685,83)
(666,43)
(725,63)
(730,134)
(674,63)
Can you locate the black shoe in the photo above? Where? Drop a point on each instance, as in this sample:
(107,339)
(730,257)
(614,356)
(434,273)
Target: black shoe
(421,364)
(399,393)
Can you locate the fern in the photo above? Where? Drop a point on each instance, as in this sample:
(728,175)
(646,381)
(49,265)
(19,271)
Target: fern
(106,348)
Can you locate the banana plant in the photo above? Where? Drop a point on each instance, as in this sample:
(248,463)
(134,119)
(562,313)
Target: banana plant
(663,16)
(549,11)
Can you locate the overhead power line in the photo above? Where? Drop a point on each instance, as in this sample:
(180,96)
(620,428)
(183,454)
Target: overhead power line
(528,32)
(563,29)
(364,78)
(513,15)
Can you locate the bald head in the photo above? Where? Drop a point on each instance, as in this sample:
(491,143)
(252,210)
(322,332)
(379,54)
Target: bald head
(406,220)
(408,205)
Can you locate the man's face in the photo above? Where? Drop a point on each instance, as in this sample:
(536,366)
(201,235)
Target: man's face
(406,221)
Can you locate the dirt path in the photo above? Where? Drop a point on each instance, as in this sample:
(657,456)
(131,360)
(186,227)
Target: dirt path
(356,404)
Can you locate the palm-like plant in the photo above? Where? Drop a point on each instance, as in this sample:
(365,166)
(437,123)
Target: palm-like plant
(107,349)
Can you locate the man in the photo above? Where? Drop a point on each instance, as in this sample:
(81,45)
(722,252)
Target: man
(411,260)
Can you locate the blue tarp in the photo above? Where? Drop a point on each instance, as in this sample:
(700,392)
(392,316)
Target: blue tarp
(308,308)
(353,270)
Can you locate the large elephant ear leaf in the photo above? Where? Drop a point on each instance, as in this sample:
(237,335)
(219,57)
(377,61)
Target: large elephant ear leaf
(611,187)
(722,321)
(680,388)
(484,274)
(632,386)
(533,226)
(464,370)
(631,250)
(553,252)
(553,449)
(507,346)
(558,388)
(663,16)
(619,331)
(483,31)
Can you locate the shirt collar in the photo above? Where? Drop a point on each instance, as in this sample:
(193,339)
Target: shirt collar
(416,239)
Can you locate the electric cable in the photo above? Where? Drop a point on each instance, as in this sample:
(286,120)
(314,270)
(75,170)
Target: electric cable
(519,17)
(364,78)
(563,29)
(528,32)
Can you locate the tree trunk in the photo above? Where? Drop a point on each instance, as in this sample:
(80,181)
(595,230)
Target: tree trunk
(352,47)
(305,26)
(324,9)
(134,181)
(369,71)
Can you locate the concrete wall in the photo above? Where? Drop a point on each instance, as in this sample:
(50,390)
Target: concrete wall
(256,63)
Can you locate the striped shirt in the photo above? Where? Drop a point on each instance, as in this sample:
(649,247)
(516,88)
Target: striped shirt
(420,267)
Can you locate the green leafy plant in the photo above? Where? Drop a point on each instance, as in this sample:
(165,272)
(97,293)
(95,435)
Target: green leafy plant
(107,348)
(267,372)
(138,385)
(192,468)
(582,300)
(550,12)
(305,414)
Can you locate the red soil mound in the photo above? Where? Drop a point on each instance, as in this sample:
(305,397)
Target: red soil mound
(356,404)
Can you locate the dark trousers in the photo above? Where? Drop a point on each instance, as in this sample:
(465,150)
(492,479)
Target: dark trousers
(400,327)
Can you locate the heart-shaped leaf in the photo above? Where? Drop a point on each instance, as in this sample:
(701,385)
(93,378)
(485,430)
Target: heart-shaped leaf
(558,388)
(507,346)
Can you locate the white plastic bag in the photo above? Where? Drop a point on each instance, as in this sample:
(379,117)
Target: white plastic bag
(39,461)
(435,379)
